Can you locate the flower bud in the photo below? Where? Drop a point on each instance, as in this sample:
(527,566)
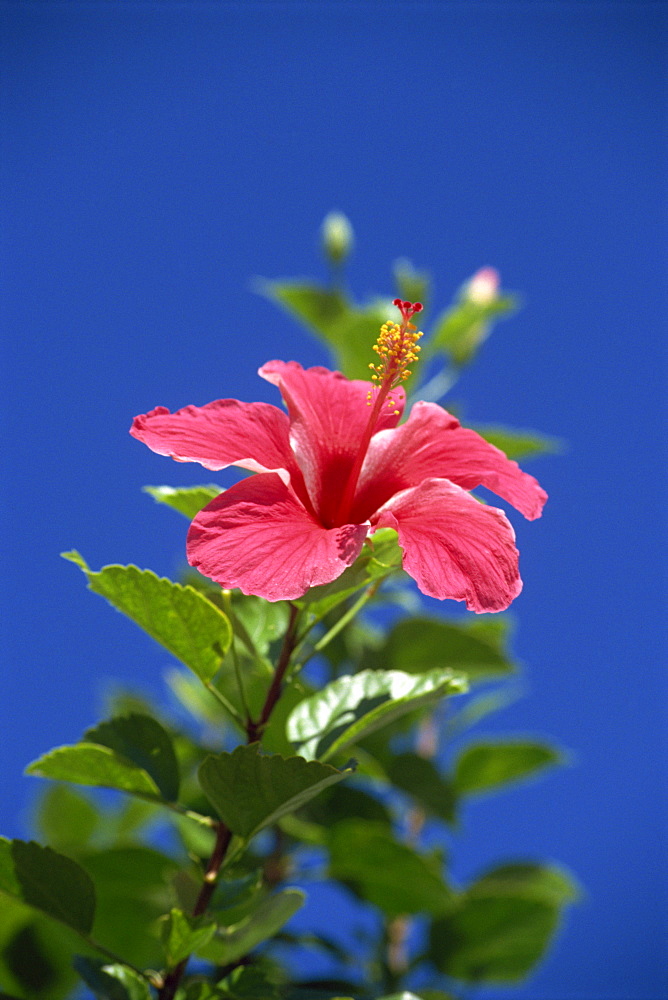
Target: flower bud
(483,287)
(337,237)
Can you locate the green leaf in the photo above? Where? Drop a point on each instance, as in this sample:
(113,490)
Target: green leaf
(494,939)
(94,765)
(519,445)
(251,791)
(546,883)
(110,981)
(420,779)
(417,644)
(248,982)
(486,765)
(188,500)
(380,557)
(147,744)
(52,884)
(232,943)
(182,935)
(411,284)
(384,872)
(8,880)
(350,331)
(461,329)
(65,818)
(180,618)
(353,706)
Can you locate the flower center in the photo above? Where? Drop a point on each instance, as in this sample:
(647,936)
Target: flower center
(397,348)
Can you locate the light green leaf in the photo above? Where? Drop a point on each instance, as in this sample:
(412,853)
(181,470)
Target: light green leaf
(180,618)
(351,707)
(109,981)
(251,791)
(53,884)
(411,284)
(349,330)
(66,818)
(182,935)
(417,644)
(188,500)
(520,445)
(486,765)
(384,872)
(528,879)
(96,766)
(264,922)
(142,740)
(461,329)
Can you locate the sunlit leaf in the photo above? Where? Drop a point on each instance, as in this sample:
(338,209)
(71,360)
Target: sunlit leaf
(251,791)
(181,935)
(110,981)
(180,618)
(483,766)
(96,766)
(351,707)
(384,871)
(188,500)
(461,329)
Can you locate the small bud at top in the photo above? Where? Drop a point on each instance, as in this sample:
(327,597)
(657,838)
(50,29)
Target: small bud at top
(483,287)
(337,237)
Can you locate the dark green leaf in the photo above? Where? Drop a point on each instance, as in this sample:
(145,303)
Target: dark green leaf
(54,884)
(182,935)
(94,765)
(29,963)
(248,982)
(232,943)
(519,445)
(385,872)
(351,707)
(486,765)
(420,778)
(147,744)
(8,880)
(180,618)
(344,801)
(415,645)
(188,500)
(109,981)
(251,791)
(66,818)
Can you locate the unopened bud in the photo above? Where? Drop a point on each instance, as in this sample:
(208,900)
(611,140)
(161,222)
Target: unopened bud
(483,287)
(337,237)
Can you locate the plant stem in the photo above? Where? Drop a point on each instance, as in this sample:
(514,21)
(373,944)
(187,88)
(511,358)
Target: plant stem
(254,732)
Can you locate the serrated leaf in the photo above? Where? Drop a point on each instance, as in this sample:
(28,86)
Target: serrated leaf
(251,791)
(483,766)
(180,618)
(96,766)
(417,644)
(520,445)
(141,739)
(110,981)
(8,880)
(385,872)
(53,884)
(232,943)
(353,706)
(182,935)
(187,500)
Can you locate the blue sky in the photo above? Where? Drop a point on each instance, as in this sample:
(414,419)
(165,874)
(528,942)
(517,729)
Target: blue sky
(158,156)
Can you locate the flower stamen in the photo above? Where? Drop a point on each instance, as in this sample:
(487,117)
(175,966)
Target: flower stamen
(397,348)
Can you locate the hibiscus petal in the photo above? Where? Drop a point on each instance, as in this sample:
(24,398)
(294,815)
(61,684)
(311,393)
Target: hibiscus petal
(454,547)
(226,432)
(258,537)
(329,415)
(432,443)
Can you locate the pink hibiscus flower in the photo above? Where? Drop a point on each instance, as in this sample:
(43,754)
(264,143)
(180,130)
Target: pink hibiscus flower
(338,466)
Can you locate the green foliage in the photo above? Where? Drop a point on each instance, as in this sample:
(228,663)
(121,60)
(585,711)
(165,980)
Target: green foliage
(519,445)
(391,875)
(49,882)
(269,916)
(251,791)
(350,708)
(97,766)
(182,935)
(179,618)
(147,744)
(188,500)
(461,329)
(484,766)
(110,981)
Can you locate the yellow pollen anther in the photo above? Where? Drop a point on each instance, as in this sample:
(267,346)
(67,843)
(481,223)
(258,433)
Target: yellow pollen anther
(396,348)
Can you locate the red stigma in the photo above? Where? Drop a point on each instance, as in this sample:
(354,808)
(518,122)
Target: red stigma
(407,309)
